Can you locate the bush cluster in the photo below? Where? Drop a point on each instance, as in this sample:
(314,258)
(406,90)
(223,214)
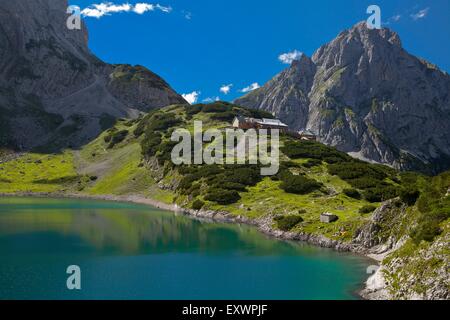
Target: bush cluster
(162,122)
(151,143)
(197,204)
(115,136)
(224,116)
(222,196)
(312,163)
(409,195)
(156,141)
(380,193)
(298,184)
(367,177)
(434,209)
(219,180)
(353,170)
(295,149)
(225,111)
(367,209)
(352,193)
(287,222)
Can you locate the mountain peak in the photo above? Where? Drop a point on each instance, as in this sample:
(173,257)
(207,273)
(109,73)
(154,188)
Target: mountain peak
(304,60)
(364,32)
(352,44)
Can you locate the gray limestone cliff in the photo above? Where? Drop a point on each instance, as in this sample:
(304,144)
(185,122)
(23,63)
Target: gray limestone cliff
(366,95)
(53,90)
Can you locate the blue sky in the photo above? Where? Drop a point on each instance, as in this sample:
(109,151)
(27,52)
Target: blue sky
(205,45)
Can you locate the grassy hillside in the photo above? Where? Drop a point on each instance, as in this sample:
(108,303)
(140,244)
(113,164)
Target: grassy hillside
(133,158)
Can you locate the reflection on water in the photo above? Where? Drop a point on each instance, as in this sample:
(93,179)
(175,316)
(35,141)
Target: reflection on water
(114,239)
(132,229)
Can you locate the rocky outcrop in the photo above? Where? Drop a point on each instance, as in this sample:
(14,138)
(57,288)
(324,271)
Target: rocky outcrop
(385,229)
(364,94)
(287,94)
(53,90)
(407,271)
(421,275)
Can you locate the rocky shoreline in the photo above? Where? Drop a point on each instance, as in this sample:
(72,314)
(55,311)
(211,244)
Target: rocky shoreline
(374,287)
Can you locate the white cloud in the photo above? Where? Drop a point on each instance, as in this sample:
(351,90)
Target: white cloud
(225,89)
(140,8)
(396,18)
(393,19)
(191,97)
(211,99)
(421,14)
(289,57)
(164,9)
(251,87)
(187,15)
(108,8)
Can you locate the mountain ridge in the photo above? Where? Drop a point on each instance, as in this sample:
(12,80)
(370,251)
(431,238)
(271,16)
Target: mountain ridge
(368,97)
(53,90)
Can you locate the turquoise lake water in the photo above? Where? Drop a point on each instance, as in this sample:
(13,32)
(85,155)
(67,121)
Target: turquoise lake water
(128,251)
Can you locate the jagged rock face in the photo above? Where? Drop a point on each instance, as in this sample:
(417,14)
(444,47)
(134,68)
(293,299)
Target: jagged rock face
(367,96)
(53,90)
(286,95)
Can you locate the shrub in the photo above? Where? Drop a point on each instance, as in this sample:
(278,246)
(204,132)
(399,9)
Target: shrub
(298,184)
(151,143)
(216,107)
(367,209)
(256,113)
(165,150)
(409,195)
(143,123)
(380,193)
(332,160)
(195,193)
(409,178)
(224,116)
(222,196)
(232,186)
(162,122)
(289,164)
(194,109)
(110,132)
(187,181)
(286,223)
(247,175)
(311,149)
(198,204)
(194,188)
(426,231)
(354,170)
(117,137)
(434,208)
(352,193)
(364,182)
(312,163)
(208,170)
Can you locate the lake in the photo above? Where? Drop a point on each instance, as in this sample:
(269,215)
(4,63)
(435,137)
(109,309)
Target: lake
(130,251)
